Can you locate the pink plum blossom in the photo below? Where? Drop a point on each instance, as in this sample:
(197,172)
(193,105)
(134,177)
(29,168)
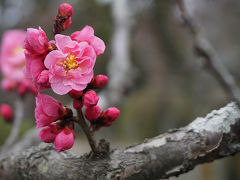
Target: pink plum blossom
(65,9)
(34,67)
(64,139)
(49,133)
(87,35)
(90,98)
(92,113)
(47,110)
(75,94)
(110,115)
(36,42)
(71,66)
(6,112)
(36,47)
(43,79)
(98,81)
(12,60)
(8,84)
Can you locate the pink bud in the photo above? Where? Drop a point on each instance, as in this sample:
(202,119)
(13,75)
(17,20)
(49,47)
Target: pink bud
(77,104)
(6,112)
(66,24)
(64,139)
(47,110)
(75,94)
(43,79)
(22,89)
(100,81)
(48,134)
(90,98)
(65,9)
(8,84)
(92,113)
(110,115)
(36,42)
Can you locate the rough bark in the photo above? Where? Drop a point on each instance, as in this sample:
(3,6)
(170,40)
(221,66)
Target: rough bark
(176,152)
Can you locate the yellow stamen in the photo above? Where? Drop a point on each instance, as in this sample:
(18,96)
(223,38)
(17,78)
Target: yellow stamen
(69,64)
(18,50)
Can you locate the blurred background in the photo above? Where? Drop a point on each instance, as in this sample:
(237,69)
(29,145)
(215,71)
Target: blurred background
(157,82)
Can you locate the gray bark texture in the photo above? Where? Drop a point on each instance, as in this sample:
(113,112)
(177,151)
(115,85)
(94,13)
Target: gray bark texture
(176,152)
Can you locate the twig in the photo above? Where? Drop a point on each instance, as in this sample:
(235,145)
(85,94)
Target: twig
(211,61)
(16,125)
(89,134)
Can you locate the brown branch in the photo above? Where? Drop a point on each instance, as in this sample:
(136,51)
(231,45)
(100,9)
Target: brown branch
(88,133)
(14,134)
(211,61)
(171,154)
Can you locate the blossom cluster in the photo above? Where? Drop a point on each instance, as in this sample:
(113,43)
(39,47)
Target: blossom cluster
(65,65)
(47,111)
(12,61)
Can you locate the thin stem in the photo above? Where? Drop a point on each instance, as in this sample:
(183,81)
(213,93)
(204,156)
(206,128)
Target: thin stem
(16,125)
(86,129)
(205,51)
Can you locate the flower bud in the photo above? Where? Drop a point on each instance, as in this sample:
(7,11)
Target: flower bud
(110,115)
(77,104)
(64,139)
(8,84)
(36,42)
(75,94)
(90,98)
(43,77)
(49,133)
(92,113)
(6,112)
(66,24)
(65,9)
(47,110)
(22,89)
(99,81)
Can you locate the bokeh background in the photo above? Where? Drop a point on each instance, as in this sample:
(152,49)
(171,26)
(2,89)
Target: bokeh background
(164,86)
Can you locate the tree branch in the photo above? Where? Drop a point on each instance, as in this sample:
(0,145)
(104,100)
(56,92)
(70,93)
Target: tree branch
(19,110)
(205,51)
(171,154)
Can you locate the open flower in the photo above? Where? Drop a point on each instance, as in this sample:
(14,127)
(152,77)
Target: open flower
(87,35)
(12,57)
(71,66)
(47,110)
(12,60)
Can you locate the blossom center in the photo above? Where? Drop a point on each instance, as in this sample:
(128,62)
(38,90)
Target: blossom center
(70,63)
(18,50)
